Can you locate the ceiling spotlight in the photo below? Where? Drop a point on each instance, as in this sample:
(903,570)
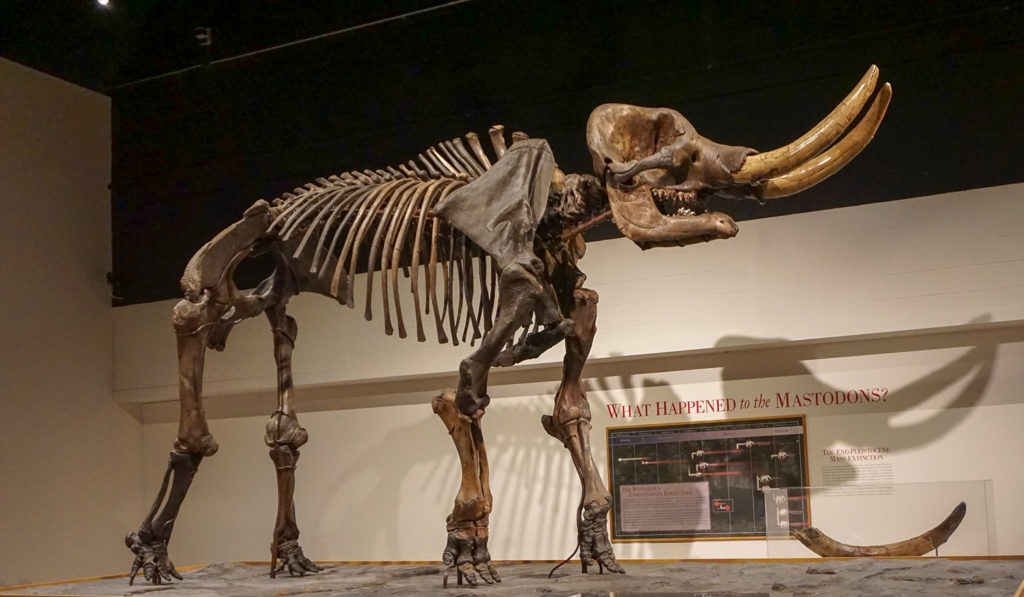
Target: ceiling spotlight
(103,2)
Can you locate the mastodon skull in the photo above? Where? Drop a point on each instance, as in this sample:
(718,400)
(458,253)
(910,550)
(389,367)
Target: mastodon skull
(658,171)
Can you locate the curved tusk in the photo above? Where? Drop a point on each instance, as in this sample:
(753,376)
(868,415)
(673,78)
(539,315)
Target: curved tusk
(781,160)
(818,169)
(825,546)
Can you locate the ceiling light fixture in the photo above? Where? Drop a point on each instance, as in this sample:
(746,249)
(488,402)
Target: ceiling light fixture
(103,2)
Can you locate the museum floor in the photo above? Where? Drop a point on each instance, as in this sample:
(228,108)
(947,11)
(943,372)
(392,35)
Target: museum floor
(878,578)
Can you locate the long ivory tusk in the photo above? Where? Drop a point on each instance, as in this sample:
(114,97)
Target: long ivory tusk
(781,160)
(825,546)
(818,169)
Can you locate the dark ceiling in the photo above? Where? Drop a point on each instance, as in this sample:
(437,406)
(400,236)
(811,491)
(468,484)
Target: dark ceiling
(102,47)
(200,133)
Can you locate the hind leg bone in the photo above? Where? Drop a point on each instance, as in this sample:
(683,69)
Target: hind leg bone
(149,543)
(284,437)
(212,305)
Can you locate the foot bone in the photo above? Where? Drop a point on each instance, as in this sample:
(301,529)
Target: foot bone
(469,556)
(594,544)
(291,559)
(150,557)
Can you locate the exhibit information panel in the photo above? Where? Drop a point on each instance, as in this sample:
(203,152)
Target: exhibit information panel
(687,481)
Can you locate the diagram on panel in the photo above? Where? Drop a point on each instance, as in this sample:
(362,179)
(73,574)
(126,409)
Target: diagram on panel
(704,480)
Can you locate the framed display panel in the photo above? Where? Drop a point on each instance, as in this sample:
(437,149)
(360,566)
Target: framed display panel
(705,480)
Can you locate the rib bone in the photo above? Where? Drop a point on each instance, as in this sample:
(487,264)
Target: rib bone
(432,282)
(415,263)
(442,163)
(393,249)
(351,203)
(387,212)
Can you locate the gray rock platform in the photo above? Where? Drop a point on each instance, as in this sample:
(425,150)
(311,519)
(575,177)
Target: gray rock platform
(876,578)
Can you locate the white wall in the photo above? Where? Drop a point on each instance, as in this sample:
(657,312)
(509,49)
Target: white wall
(376,483)
(921,296)
(69,457)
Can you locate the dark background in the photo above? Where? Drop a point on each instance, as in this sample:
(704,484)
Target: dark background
(193,149)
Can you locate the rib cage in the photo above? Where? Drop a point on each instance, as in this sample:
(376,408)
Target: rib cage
(384,216)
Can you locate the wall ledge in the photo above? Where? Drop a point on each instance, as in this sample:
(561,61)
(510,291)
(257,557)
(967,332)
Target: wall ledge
(255,397)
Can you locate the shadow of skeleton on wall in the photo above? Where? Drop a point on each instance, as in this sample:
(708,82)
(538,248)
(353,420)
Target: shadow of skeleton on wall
(973,369)
(530,462)
(524,460)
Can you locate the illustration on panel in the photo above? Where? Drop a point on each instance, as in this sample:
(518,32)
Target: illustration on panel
(707,480)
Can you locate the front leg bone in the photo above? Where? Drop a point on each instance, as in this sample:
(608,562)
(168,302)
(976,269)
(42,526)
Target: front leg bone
(467,525)
(520,294)
(570,424)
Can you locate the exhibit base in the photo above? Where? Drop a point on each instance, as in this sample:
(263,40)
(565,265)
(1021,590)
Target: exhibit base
(902,576)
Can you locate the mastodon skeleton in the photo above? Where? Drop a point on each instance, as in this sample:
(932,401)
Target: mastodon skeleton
(490,249)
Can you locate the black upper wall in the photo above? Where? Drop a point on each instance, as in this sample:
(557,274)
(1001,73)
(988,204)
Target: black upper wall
(192,151)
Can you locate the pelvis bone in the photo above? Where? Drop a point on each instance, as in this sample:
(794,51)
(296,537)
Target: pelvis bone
(659,171)
(825,546)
